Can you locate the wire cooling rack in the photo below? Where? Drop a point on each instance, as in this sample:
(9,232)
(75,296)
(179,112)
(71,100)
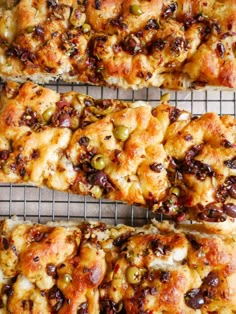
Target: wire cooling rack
(43,205)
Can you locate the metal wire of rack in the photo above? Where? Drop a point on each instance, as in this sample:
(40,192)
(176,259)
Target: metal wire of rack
(41,205)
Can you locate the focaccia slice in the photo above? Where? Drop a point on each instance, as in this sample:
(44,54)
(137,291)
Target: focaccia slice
(123,43)
(91,268)
(162,158)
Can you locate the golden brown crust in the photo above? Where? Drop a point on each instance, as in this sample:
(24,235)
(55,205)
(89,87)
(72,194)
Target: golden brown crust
(107,269)
(130,44)
(162,158)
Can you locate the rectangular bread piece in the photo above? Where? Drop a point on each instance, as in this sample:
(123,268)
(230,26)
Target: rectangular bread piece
(162,158)
(124,43)
(91,268)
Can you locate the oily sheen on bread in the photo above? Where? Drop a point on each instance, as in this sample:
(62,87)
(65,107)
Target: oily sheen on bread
(124,43)
(90,267)
(162,158)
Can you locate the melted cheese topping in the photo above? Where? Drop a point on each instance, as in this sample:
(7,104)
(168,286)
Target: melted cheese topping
(130,44)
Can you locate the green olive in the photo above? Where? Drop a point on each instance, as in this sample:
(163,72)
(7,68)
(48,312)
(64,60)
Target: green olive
(47,115)
(135,9)
(98,162)
(96,191)
(165,98)
(67,278)
(121,132)
(74,123)
(92,118)
(86,28)
(133,275)
(175,190)
(30,29)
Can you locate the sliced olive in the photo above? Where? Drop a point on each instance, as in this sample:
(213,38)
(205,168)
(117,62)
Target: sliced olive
(96,191)
(77,18)
(93,118)
(4,154)
(51,269)
(67,278)
(83,309)
(9,4)
(74,123)
(175,190)
(85,100)
(157,167)
(86,28)
(164,276)
(48,114)
(7,289)
(6,168)
(84,141)
(194,299)
(26,177)
(135,9)
(165,98)
(121,132)
(30,29)
(133,275)
(119,307)
(101,111)
(98,162)
(212,279)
